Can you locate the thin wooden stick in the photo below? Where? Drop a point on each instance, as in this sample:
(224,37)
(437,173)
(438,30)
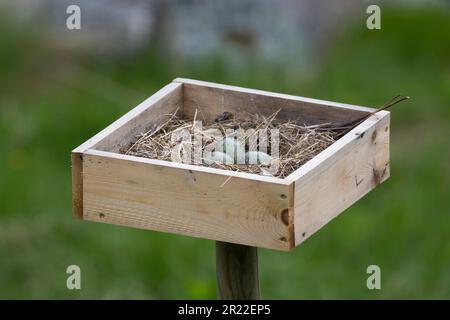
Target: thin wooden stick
(346,127)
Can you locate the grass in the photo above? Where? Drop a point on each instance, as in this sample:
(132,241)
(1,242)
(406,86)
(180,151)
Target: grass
(46,109)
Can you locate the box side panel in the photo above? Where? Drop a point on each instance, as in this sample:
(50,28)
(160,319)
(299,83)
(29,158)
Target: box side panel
(342,177)
(152,113)
(199,204)
(212,100)
(77,185)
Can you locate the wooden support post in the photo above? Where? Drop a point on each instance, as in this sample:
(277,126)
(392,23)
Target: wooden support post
(237,271)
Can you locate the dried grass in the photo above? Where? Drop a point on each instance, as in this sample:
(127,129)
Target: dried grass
(297,144)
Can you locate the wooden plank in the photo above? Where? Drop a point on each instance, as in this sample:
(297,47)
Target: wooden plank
(213,99)
(135,192)
(77,185)
(237,272)
(225,174)
(152,111)
(340,175)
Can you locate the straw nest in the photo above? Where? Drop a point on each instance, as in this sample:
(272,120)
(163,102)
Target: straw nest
(297,144)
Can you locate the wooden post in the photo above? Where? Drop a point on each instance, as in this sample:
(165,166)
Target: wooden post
(237,271)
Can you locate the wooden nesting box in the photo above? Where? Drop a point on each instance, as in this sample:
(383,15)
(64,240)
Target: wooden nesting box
(249,209)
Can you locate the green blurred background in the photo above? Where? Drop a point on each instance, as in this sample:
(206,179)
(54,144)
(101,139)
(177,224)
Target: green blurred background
(53,97)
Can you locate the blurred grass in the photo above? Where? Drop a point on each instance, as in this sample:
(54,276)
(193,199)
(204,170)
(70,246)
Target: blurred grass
(48,106)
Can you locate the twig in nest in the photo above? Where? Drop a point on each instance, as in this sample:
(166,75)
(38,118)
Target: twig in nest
(347,127)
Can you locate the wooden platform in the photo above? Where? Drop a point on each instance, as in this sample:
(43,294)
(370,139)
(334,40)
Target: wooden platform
(249,209)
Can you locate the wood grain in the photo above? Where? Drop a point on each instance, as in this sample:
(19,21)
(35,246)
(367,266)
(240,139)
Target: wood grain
(213,99)
(237,272)
(77,185)
(131,191)
(340,175)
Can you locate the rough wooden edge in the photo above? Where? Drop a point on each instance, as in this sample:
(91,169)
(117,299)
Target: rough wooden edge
(291,221)
(77,153)
(77,185)
(352,142)
(157,112)
(273,94)
(128,116)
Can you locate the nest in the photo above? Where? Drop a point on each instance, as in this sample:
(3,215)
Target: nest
(296,144)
